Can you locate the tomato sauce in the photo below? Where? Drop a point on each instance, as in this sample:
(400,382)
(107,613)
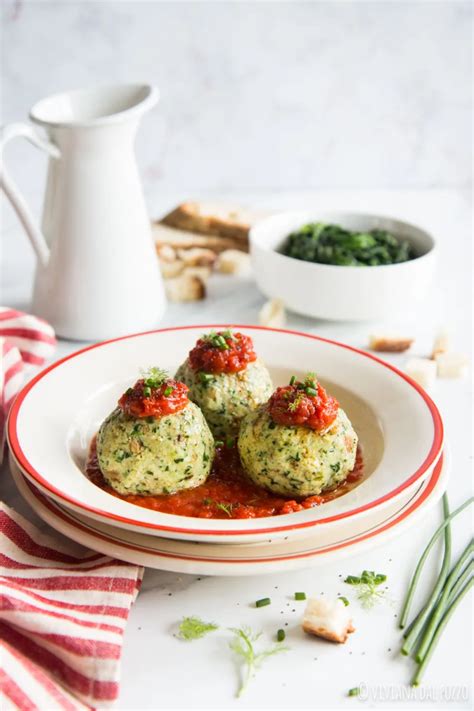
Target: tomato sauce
(227,493)
(304,404)
(222,352)
(149,398)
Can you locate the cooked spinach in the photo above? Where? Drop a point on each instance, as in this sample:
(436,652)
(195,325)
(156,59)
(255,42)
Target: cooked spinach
(332,244)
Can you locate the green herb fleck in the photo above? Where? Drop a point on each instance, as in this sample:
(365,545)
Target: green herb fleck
(367,584)
(243,647)
(154,377)
(205,377)
(219,340)
(344,600)
(227,508)
(194,628)
(263,602)
(281,635)
(354,692)
(300,596)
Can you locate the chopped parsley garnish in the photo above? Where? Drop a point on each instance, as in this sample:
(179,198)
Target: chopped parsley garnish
(354,692)
(218,340)
(194,628)
(243,647)
(121,454)
(154,377)
(205,377)
(227,508)
(367,587)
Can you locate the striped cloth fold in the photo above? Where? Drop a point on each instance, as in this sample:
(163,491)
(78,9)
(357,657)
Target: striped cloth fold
(63,611)
(25,340)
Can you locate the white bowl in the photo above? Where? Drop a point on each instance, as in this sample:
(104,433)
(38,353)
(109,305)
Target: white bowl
(55,416)
(336,292)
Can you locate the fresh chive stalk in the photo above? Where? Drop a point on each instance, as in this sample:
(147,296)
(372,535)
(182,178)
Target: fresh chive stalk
(442,604)
(419,622)
(448,612)
(263,602)
(421,562)
(281,635)
(300,596)
(354,692)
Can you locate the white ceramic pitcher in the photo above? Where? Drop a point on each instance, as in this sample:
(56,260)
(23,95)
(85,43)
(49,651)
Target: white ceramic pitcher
(97,274)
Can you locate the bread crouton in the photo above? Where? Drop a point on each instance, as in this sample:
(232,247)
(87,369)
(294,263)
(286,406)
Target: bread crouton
(441,344)
(390,344)
(451,365)
(233,261)
(422,370)
(272,314)
(171,269)
(197,257)
(185,287)
(328,619)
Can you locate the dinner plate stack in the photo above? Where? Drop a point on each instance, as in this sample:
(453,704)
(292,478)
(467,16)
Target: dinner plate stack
(400,434)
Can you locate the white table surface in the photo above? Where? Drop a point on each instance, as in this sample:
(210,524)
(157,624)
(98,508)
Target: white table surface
(161,672)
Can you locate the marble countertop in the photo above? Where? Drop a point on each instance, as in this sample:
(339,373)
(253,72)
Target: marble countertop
(159,671)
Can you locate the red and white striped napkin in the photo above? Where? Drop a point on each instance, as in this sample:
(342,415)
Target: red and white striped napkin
(25,340)
(63,611)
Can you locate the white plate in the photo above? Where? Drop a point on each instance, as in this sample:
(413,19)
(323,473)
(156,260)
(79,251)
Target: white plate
(55,416)
(326,544)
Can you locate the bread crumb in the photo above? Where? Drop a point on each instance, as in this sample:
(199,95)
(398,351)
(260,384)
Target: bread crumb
(202,272)
(185,287)
(166,253)
(272,314)
(171,269)
(197,257)
(328,619)
(451,365)
(233,261)
(422,370)
(441,344)
(390,344)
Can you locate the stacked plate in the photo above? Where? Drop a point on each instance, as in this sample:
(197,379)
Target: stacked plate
(400,432)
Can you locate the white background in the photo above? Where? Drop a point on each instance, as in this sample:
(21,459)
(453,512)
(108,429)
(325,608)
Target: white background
(261,94)
(274,104)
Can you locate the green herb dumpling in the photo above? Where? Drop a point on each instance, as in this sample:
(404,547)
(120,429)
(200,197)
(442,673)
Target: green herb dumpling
(156,441)
(226,379)
(300,443)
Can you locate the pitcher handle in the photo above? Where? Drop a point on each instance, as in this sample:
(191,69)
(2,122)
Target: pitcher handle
(36,237)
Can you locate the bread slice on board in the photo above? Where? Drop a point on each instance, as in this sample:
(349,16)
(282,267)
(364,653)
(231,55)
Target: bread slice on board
(181,239)
(213,219)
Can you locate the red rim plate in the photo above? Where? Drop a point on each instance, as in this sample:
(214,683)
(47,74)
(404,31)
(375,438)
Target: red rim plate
(25,464)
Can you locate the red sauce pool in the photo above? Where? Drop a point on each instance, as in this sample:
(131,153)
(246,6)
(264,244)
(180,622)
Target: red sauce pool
(227,493)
